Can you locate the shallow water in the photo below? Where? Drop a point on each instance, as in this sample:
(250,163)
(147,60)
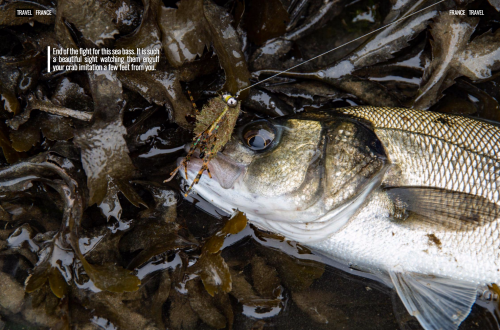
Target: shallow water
(341,298)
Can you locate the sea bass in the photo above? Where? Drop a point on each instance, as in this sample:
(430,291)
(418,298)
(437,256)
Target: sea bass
(411,196)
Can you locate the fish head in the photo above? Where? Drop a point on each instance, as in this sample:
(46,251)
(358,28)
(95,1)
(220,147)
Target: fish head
(300,171)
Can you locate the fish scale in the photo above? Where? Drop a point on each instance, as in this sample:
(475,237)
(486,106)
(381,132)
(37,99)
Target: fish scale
(476,168)
(434,168)
(409,195)
(463,255)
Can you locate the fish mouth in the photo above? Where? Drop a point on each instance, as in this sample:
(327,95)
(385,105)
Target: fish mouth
(223,170)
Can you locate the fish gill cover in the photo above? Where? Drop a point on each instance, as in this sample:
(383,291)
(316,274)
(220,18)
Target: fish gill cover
(91,236)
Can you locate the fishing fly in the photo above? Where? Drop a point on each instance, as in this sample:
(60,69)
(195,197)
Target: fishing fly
(213,129)
(216,122)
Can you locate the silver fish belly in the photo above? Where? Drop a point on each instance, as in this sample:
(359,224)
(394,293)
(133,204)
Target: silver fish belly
(410,195)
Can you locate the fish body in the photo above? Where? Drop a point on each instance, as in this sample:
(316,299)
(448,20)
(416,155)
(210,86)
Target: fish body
(409,195)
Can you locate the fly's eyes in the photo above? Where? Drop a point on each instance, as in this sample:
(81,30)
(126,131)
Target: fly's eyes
(230,101)
(258,136)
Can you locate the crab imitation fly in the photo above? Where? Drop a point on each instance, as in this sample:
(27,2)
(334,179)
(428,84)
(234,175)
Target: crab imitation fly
(213,129)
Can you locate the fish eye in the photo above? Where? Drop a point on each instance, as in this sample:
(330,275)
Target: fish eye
(258,136)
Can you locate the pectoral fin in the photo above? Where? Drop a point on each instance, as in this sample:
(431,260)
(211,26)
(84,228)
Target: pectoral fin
(438,303)
(444,207)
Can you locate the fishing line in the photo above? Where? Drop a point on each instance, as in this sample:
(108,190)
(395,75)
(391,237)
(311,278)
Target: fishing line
(347,43)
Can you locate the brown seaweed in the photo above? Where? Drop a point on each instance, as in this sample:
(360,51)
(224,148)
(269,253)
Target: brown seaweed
(188,45)
(182,316)
(49,107)
(19,73)
(495,4)
(452,56)
(104,151)
(26,137)
(89,17)
(45,168)
(320,307)
(147,35)
(267,103)
(440,74)
(265,20)
(379,48)
(228,48)
(282,45)
(203,305)
(161,88)
(203,16)
(10,102)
